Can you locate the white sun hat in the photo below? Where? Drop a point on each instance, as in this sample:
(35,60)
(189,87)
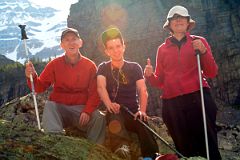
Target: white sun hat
(182,11)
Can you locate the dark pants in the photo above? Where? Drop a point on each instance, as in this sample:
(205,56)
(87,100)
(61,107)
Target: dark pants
(148,144)
(183,118)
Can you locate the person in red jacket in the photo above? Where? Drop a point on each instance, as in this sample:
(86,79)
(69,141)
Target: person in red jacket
(176,73)
(74,99)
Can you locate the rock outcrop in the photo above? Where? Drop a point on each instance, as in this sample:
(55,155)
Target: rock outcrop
(21,139)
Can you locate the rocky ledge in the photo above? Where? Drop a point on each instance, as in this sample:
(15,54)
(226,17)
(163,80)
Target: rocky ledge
(20,138)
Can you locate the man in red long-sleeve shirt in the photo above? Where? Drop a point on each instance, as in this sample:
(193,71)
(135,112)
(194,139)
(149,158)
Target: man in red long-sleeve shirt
(74,99)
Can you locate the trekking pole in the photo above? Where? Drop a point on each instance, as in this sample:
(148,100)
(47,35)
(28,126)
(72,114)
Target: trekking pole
(202,102)
(153,132)
(24,38)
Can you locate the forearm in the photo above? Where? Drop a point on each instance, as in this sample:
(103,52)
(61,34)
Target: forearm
(38,86)
(92,103)
(104,96)
(209,65)
(153,80)
(112,107)
(143,96)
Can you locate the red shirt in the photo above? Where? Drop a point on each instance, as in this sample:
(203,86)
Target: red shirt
(176,70)
(72,85)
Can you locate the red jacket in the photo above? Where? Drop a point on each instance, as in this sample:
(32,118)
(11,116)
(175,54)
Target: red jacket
(72,85)
(176,70)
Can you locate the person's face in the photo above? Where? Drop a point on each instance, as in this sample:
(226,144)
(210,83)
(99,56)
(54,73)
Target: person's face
(115,49)
(179,24)
(71,43)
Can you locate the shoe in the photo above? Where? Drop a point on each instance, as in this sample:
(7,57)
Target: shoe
(167,157)
(123,152)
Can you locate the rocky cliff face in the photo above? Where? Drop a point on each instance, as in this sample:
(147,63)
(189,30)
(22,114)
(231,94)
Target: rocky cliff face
(12,80)
(13,89)
(141,24)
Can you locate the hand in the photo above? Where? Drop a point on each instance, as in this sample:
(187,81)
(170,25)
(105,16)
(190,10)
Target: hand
(198,45)
(29,69)
(84,119)
(142,116)
(148,71)
(114,108)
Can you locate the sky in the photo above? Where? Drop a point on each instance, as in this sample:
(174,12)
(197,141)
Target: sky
(62,5)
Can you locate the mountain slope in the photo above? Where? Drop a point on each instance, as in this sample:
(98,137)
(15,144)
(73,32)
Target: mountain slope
(4,61)
(43,29)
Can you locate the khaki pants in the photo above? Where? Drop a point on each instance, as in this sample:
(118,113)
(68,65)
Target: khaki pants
(58,116)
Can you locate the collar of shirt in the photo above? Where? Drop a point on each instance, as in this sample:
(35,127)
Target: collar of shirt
(67,61)
(177,42)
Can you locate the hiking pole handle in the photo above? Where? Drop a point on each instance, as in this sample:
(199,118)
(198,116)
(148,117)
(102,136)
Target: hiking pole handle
(23,32)
(24,38)
(197,51)
(153,132)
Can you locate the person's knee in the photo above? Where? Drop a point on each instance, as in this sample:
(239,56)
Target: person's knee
(51,119)
(98,117)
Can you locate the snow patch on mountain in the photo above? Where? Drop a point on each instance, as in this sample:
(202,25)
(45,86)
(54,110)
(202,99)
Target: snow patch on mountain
(43,27)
